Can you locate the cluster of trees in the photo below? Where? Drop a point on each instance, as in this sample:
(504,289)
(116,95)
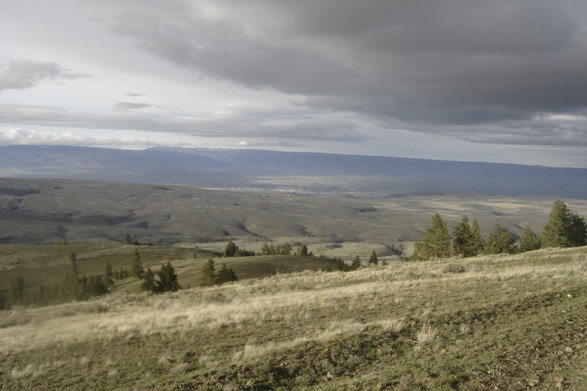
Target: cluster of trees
(232,250)
(71,287)
(75,286)
(210,277)
(166,281)
(563,229)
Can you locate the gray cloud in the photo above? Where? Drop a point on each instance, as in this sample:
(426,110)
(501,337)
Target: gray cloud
(318,129)
(127,106)
(421,65)
(21,74)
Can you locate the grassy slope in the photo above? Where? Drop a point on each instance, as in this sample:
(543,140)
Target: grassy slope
(47,264)
(501,322)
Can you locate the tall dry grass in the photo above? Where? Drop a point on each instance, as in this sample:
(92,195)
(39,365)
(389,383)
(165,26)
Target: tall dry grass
(283,298)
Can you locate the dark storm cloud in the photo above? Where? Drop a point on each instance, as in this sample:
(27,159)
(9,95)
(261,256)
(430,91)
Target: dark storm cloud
(474,65)
(223,52)
(21,74)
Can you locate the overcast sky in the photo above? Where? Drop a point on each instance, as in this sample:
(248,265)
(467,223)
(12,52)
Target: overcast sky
(475,80)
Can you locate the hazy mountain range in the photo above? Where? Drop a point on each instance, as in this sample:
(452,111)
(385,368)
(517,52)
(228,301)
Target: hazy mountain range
(314,173)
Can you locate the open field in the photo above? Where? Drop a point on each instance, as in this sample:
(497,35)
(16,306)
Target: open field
(491,322)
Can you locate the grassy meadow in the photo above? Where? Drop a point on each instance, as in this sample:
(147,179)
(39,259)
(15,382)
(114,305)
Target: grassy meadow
(511,322)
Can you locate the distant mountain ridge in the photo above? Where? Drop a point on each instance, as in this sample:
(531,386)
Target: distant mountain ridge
(315,173)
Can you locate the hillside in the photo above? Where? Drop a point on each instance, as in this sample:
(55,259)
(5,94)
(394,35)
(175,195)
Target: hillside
(48,264)
(54,210)
(311,173)
(490,322)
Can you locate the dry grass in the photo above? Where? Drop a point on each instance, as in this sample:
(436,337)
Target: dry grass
(275,316)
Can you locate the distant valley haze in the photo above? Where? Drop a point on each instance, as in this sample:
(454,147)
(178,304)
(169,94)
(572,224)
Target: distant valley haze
(291,172)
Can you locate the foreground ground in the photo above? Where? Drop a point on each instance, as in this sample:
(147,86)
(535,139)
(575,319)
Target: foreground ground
(500,322)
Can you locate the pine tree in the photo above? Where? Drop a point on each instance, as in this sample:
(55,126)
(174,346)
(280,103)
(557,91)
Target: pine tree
(108,274)
(373,259)
(17,291)
(286,249)
(577,231)
(225,275)
(303,251)
(167,279)
(556,230)
(435,242)
(137,265)
(96,286)
(126,239)
(499,241)
(71,288)
(4,300)
(265,249)
(529,241)
(230,249)
(208,278)
(463,241)
(476,239)
(149,283)
(356,262)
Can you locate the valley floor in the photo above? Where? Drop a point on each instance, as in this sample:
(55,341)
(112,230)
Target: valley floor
(491,322)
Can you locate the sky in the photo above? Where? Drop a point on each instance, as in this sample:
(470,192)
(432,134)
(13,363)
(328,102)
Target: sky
(467,80)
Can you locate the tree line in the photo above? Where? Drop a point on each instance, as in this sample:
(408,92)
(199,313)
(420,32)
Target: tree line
(564,228)
(75,286)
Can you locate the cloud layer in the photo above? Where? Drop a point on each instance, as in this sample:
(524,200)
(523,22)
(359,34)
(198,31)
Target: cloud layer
(480,71)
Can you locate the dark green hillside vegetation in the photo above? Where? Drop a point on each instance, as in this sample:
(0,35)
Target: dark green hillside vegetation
(563,229)
(506,322)
(50,274)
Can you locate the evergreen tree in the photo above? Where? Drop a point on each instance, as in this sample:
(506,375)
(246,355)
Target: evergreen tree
(71,287)
(225,275)
(96,286)
(373,259)
(499,241)
(208,278)
(286,249)
(230,249)
(556,230)
(108,274)
(126,239)
(149,283)
(303,251)
(564,228)
(577,231)
(167,279)
(17,291)
(83,289)
(463,243)
(529,241)
(476,239)
(4,300)
(356,262)
(265,249)
(435,242)
(137,265)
